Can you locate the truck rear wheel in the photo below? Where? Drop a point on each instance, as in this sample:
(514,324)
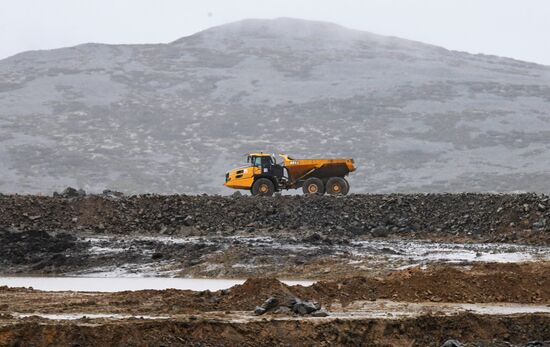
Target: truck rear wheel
(347,186)
(337,186)
(313,185)
(263,187)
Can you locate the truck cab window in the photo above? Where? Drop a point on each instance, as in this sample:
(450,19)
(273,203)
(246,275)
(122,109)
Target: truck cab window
(266,161)
(257,161)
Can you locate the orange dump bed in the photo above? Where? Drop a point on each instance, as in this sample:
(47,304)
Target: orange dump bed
(322,168)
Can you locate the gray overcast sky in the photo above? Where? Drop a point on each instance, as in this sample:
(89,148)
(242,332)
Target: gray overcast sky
(514,28)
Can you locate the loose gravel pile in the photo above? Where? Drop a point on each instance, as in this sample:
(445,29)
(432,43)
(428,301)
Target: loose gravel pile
(488,217)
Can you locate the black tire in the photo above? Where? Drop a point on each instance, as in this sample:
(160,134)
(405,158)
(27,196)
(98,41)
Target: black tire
(336,186)
(347,187)
(313,185)
(263,187)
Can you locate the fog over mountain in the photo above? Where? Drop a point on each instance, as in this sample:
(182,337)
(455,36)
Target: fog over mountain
(170,118)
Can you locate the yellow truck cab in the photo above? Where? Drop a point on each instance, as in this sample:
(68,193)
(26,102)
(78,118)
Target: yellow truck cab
(244,177)
(263,175)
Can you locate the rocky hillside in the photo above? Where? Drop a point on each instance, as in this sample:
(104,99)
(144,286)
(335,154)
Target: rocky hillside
(174,117)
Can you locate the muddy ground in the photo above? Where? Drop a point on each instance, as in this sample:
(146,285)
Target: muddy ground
(237,256)
(412,307)
(392,270)
(285,237)
(527,283)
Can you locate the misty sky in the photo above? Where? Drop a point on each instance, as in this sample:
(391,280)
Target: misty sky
(514,28)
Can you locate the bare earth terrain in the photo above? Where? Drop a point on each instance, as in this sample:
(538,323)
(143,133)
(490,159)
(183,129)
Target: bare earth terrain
(389,270)
(409,307)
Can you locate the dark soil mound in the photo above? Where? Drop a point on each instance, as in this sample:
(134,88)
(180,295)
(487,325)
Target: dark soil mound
(37,250)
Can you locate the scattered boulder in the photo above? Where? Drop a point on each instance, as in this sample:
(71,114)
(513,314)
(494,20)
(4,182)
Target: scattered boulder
(538,344)
(268,305)
(320,313)
(112,194)
(452,343)
(293,305)
(188,221)
(379,231)
(540,224)
(259,310)
(312,238)
(70,192)
(305,307)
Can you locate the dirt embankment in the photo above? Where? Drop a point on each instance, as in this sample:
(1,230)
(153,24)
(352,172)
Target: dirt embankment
(480,217)
(425,331)
(519,283)
(522,283)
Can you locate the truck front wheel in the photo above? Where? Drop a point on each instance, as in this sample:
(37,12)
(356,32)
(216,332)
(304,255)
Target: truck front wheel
(263,187)
(313,185)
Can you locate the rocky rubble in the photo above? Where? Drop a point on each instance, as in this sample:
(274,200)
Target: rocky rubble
(486,217)
(290,305)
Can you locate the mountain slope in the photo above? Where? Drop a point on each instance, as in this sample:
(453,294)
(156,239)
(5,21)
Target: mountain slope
(174,117)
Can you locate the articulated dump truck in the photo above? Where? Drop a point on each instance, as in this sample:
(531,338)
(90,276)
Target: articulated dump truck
(263,176)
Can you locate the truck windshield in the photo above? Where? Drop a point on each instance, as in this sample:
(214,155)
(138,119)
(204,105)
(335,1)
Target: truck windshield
(259,161)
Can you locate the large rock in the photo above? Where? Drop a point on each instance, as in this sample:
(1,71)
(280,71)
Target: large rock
(288,306)
(305,307)
(70,192)
(452,343)
(268,305)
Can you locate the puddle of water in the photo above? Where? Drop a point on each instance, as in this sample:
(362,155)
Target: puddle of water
(392,309)
(75,316)
(116,284)
(420,251)
(129,270)
(380,309)
(502,309)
